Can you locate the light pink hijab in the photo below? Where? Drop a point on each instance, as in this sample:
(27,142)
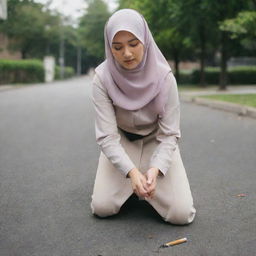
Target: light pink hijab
(136,88)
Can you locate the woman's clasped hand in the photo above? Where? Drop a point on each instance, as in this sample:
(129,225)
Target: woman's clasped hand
(144,185)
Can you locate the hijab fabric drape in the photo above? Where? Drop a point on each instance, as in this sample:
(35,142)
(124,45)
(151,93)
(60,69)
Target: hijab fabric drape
(146,84)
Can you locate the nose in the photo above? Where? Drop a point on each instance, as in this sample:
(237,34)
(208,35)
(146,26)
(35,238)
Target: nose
(127,53)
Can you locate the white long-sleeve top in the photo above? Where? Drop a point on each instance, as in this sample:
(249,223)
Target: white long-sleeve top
(110,117)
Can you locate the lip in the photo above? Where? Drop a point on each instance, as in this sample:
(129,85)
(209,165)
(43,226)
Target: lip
(129,61)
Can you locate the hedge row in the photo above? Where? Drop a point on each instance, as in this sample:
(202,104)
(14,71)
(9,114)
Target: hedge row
(236,75)
(21,71)
(32,71)
(26,71)
(69,72)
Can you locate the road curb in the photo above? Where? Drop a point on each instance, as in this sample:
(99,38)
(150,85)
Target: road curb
(6,88)
(226,106)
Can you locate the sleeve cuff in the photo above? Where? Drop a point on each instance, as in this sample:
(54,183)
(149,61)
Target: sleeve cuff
(159,165)
(125,170)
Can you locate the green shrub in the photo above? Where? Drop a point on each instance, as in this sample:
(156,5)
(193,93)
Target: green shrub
(27,71)
(211,76)
(21,71)
(242,75)
(68,72)
(236,75)
(185,78)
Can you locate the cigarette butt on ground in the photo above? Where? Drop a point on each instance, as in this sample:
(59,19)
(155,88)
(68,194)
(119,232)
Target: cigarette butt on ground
(241,195)
(176,242)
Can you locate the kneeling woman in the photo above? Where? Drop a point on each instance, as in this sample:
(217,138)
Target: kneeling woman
(137,124)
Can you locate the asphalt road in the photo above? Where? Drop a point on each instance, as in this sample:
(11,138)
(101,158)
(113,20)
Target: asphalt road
(48,160)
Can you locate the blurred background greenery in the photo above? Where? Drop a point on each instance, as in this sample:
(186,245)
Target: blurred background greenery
(206,41)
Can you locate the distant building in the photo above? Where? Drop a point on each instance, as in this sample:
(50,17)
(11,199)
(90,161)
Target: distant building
(4,52)
(241,61)
(185,65)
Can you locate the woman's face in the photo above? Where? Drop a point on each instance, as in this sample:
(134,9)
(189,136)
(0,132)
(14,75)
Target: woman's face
(127,49)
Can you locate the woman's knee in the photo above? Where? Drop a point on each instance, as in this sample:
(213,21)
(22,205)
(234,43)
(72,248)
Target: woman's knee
(181,215)
(104,208)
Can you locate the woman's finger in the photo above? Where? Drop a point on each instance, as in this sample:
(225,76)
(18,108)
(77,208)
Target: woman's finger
(149,180)
(151,187)
(144,183)
(142,192)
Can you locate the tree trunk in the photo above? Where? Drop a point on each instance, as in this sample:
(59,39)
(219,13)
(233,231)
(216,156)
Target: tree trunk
(202,56)
(176,64)
(23,54)
(78,61)
(223,64)
(47,50)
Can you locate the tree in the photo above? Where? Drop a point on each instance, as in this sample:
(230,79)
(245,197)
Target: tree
(222,10)
(36,31)
(193,19)
(32,29)
(243,27)
(91,28)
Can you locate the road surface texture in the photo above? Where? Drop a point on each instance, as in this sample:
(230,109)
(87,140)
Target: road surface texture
(48,160)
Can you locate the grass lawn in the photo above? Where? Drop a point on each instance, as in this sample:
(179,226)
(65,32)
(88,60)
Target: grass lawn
(243,99)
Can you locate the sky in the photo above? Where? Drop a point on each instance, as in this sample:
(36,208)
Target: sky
(73,8)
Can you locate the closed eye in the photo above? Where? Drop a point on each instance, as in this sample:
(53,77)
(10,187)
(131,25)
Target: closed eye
(117,48)
(134,45)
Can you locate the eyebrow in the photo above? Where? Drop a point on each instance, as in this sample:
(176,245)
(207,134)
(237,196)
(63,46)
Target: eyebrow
(128,41)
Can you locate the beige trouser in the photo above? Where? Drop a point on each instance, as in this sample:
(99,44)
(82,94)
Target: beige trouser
(172,199)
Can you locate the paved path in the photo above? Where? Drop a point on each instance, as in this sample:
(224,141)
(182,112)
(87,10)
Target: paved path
(214,90)
(48,159)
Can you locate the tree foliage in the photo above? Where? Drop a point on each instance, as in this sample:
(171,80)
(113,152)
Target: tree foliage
(183,30)
(27,26)
(91,28)
(243,27)
(36,31)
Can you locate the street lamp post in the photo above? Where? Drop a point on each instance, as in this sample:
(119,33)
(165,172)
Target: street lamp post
(62,55)
(62,46)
